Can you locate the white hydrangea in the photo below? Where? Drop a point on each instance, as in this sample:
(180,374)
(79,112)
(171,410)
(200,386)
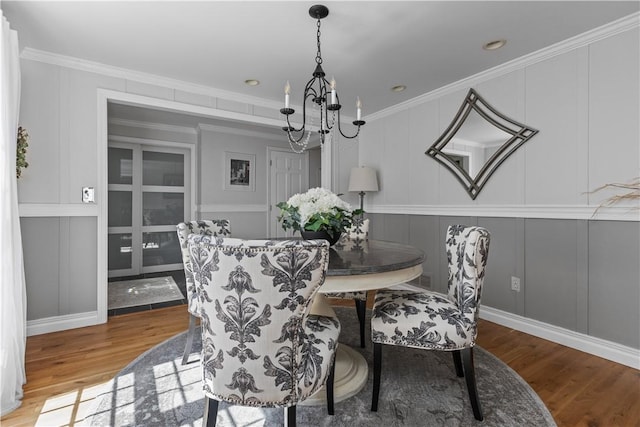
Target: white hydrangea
(317,200)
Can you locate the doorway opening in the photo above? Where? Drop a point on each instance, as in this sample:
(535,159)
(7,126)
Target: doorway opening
(182,121)
(148,194)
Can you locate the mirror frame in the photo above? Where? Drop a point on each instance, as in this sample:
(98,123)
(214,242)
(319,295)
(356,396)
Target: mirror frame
(519,132)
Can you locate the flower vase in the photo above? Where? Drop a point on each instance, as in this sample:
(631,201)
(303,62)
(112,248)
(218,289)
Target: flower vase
(312,235)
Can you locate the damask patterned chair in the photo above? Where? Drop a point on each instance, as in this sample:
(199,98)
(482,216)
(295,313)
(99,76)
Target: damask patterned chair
(261,346)
(433,321)
(214,227)
(359,232)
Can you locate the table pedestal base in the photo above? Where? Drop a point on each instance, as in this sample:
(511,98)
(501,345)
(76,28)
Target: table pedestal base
(350,377)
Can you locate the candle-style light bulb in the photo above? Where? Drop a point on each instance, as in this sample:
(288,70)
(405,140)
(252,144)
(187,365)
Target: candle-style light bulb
(287,89)
(358,109)
(333,91)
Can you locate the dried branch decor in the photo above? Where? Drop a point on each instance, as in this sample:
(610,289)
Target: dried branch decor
(633,194)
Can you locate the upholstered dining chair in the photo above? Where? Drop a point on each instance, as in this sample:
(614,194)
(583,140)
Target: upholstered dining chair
(432,321)
(358,232)
(214,227)
(260,346)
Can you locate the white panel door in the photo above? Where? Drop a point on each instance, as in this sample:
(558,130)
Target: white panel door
(288,175)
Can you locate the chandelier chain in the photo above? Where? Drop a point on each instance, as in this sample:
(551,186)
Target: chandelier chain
(318,55)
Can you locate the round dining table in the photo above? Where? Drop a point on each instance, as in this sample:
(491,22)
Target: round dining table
(361,265)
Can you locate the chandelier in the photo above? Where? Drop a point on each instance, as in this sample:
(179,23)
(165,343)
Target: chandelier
(324,101)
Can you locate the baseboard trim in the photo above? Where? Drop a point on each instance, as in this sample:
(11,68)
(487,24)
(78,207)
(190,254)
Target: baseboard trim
(61,323)
(598,347)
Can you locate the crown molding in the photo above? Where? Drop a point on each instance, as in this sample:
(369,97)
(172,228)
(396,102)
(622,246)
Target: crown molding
(232,208)
(616,27)
(138,76)
(153,126)
(237,131)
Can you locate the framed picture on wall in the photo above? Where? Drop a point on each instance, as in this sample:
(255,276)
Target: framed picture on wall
(239,171)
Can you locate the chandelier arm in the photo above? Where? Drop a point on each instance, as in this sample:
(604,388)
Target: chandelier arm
(309,85)
(292,129)
(295,140)
(304,109)
(323,83)
(357,123)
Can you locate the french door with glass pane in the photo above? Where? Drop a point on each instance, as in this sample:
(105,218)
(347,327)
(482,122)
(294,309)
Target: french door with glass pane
(148,196)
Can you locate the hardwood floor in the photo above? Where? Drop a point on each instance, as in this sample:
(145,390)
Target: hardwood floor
(64,368)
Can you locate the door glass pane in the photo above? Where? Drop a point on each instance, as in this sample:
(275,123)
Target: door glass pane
(162,208)
(162,169)
(160,248)
(119,251)
(120,204)
(120,166)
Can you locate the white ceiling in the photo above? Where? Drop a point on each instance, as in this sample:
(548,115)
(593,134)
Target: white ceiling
(369,46)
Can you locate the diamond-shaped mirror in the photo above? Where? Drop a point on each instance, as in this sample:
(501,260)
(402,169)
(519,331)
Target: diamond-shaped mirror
(477,141)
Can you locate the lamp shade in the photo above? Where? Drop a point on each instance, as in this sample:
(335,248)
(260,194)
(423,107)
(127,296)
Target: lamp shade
(363,179)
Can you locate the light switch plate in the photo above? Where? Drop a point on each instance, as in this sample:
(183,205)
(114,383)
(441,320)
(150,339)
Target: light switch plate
(88,195)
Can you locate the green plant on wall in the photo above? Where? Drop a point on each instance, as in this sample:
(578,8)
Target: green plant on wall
(21,150)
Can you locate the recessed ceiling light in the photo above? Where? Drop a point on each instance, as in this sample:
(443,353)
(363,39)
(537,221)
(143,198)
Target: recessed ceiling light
(495,44)
(398,88)
(252,82)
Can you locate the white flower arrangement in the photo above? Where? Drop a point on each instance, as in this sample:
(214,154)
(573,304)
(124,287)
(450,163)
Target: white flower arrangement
(317,210)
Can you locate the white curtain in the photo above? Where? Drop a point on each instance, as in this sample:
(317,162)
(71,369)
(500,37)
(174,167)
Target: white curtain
(12,286)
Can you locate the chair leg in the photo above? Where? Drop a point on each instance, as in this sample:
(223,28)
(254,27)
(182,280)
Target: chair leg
(377,368)
(190,334)
(361,310)
(457,362)
(290,416)
(210,412)
(470,377)
(329,387)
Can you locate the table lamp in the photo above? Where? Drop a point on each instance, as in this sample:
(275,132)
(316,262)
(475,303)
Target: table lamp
(363,179)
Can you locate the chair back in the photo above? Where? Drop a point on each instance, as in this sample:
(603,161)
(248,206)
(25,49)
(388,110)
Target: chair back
(467,252)
(214,227)
(359,230)
(257,295)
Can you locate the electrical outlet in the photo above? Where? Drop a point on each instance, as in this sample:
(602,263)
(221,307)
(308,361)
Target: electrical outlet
(515,283)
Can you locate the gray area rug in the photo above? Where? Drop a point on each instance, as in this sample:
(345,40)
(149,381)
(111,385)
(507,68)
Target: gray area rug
(152,290)
(419,388)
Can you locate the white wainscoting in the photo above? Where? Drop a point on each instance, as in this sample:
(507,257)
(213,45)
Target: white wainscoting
(609,213)
(57,209)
